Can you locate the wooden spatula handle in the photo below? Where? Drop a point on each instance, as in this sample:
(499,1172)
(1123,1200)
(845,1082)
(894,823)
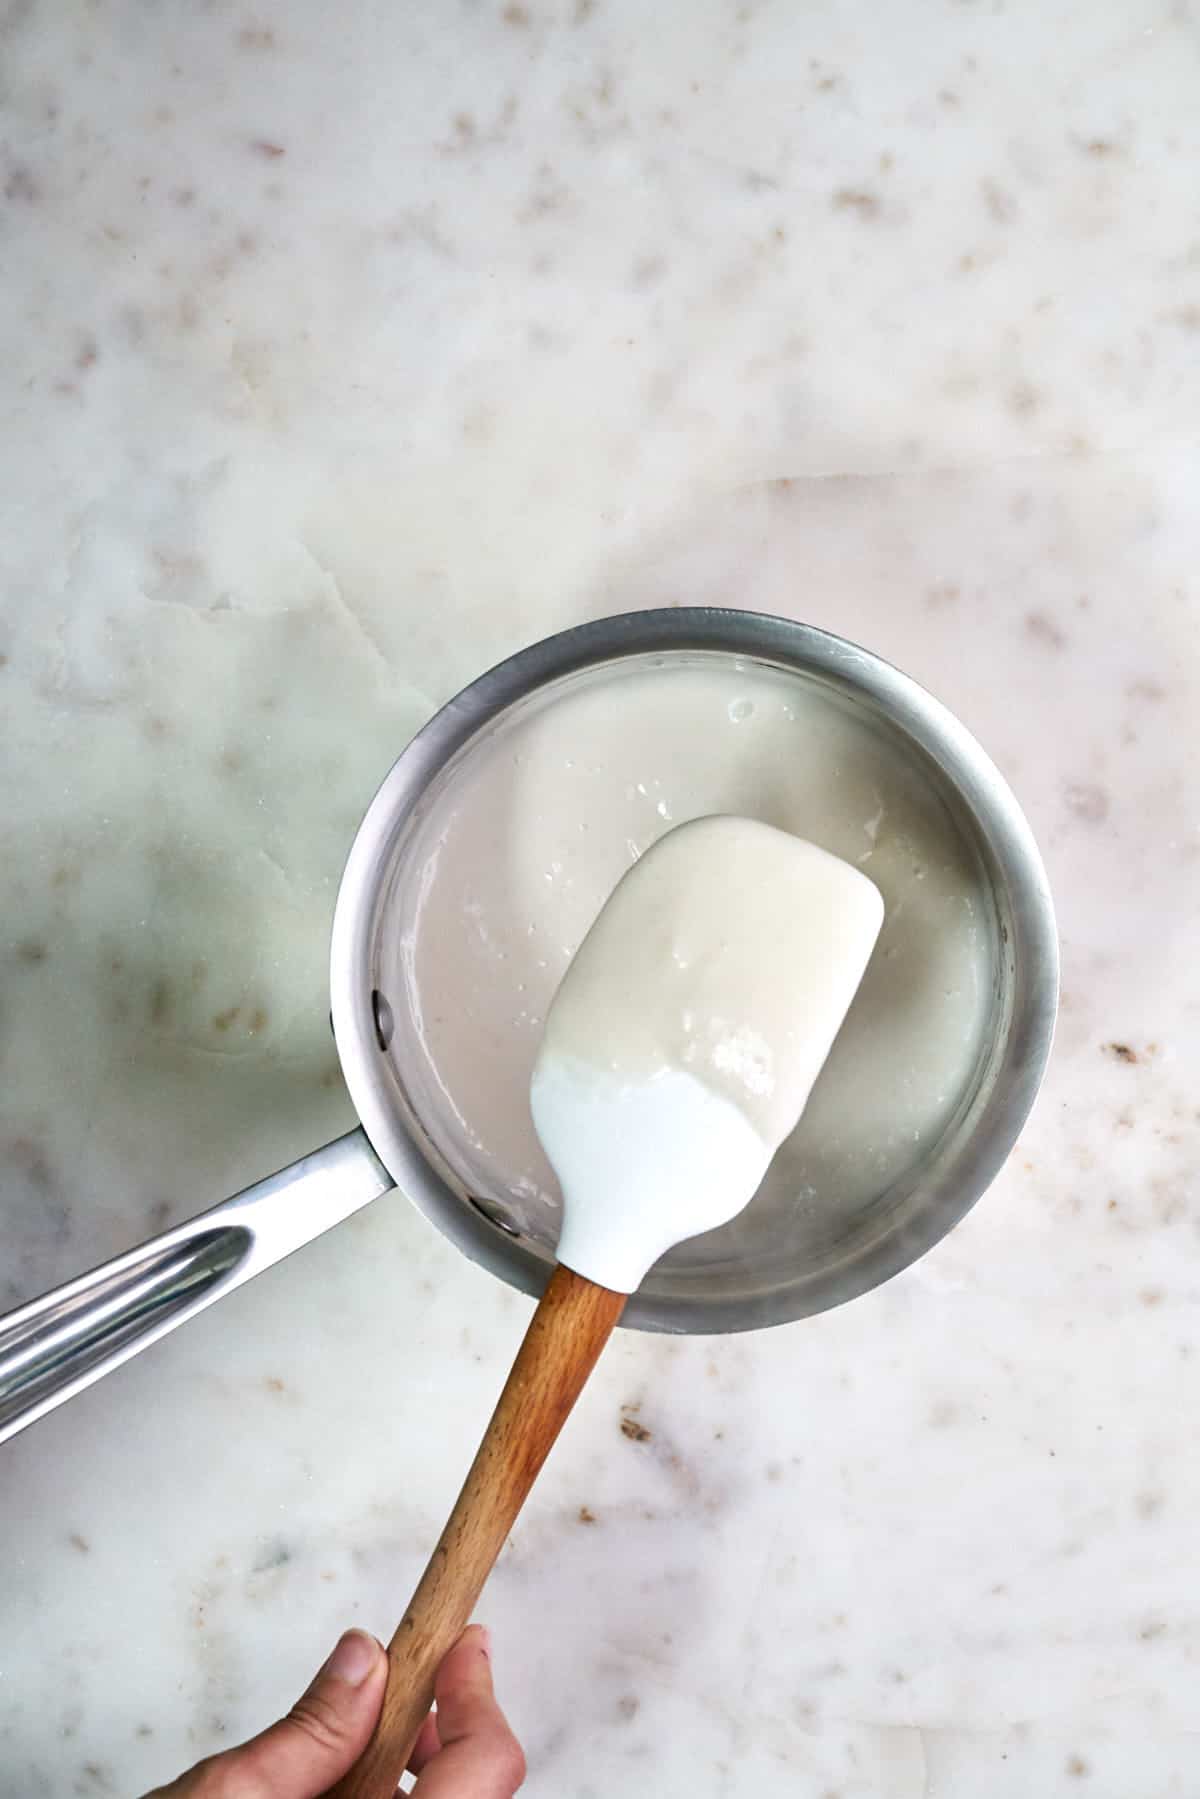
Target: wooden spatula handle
(573,1322)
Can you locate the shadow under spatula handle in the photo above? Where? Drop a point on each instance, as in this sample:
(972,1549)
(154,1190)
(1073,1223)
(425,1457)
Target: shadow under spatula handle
(573,1322)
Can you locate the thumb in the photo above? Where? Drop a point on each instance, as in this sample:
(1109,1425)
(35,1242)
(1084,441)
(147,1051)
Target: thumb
(324,1733)
(479,1755)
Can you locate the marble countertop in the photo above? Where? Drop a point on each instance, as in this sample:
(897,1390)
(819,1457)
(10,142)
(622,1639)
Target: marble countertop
(345,350)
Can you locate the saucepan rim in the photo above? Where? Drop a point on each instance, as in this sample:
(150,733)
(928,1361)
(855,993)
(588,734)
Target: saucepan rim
(1004,839)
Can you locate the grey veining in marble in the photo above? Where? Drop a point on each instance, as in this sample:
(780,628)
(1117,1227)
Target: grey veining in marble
(343,350)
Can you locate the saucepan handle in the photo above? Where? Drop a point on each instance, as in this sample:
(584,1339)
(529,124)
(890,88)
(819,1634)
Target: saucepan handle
(55,1346)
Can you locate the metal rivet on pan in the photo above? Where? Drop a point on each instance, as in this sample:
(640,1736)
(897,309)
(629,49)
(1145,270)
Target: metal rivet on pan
(494,1215)
(385,1024)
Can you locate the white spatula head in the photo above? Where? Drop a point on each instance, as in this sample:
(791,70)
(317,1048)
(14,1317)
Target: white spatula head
(687,1033)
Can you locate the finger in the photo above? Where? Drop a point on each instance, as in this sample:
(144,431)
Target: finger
(427,1745)
(322,1736)
(480,1757)
(463,1689)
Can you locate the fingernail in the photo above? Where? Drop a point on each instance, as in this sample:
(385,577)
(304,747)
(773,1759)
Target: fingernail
(485,1639)
(353,1658)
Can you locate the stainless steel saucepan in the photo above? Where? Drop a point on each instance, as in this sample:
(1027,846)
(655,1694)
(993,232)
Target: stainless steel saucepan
(54,1346)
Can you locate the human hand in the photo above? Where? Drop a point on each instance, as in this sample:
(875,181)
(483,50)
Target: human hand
(465,1750)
